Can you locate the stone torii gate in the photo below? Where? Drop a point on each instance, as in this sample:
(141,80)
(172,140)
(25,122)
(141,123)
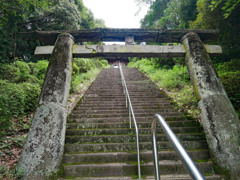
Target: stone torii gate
(42,153)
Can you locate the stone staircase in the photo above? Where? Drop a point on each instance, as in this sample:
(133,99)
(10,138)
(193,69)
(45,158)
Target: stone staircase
(100,144)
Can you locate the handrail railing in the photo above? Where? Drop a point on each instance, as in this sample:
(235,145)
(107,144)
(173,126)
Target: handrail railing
(185,158)
(131,113)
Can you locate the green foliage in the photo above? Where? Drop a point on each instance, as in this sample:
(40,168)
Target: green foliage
(41,69)
(9,72)
(231,81)
(31,92)
(75,69)
(11,102)
(84,70)
(228,7)
(170,14)
(17,99)
(19,19)
(79,81)
(176,80)
(84,64)
(229,72)
(22,66)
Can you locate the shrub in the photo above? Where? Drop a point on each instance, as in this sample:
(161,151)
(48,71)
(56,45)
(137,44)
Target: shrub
(76,84)
(231,81)
(233,66)
(12,99)
(41,70)
(84,64)
(9,72)
(17,99)
(33,67)
(104,63)
(22,66)
(32,93)
(75,70)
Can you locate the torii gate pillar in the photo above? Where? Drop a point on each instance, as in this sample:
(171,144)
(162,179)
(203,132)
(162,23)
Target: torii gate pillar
(219,119)
(43,149)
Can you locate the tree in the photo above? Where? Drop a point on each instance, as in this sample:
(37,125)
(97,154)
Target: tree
(170,14)
(19,19)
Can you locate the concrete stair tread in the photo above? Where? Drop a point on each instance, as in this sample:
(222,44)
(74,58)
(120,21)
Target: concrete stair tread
(126,169)
(177,130)
(163,177)
(115,124)
(129,146)
(146,156)
(134,163)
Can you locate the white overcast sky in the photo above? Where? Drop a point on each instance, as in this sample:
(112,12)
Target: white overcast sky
(117,13)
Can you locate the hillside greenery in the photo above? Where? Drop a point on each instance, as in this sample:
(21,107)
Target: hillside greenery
(22,74)
(20,19)
(21,84)
(175,81)
(171,73)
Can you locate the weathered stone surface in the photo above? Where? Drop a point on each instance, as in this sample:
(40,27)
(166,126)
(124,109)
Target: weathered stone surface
(57,82)
(219,119)
(43,150)
(44,146)
(87,51)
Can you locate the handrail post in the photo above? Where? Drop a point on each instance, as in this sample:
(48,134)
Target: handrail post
(130,124)
(155,150)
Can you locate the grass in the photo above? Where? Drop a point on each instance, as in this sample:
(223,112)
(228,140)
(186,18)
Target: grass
(174,82)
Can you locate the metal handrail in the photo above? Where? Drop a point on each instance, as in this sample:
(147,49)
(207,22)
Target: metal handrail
(131,113)
(185,158)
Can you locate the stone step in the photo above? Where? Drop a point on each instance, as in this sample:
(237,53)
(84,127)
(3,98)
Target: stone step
(131,146)
(122,111)
(129,138)
(144,105)
(74,132)
(138,102)
(144,114)
(126,169)
(122,107)
(122,99)
(89,125)
(162,177)
(148,119)
(119,98)
(145,156)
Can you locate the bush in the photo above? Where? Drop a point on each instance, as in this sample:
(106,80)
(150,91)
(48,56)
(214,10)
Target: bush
(22,66)
(41,70)
(9,72)
(231,81)
(104,63)
(84,64)
(233,66)
(32,93)
(174,78)
(33,67)
(75,70)
(11,100)
(76,84)
(17,99)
